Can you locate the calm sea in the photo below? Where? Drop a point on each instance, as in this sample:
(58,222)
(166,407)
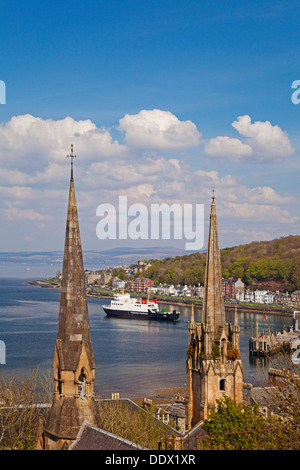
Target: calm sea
(133,357)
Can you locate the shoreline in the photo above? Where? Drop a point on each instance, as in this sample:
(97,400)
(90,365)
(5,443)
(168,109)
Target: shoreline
(262,309)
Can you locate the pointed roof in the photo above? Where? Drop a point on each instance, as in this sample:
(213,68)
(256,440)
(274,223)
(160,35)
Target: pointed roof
(73,323)
(213,310)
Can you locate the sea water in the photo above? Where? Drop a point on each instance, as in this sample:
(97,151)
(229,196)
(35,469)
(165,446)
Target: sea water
(133,357)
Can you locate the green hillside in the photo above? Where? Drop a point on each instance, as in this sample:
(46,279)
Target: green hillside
(272,265)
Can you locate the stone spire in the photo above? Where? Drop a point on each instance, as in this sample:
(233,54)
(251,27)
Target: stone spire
(73,325)
(213,310)
(73,362)
(213,364)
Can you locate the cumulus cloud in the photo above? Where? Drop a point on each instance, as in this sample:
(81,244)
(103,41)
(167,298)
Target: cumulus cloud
(34,171)
(15,214)
(227,146)
(28,142)
(259,212)
(157,129)
(262,142)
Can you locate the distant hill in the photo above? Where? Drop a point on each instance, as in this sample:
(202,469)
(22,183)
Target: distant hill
(93,259)
(272,265)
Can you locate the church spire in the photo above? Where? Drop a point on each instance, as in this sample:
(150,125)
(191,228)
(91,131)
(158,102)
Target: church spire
(213,365)
(73,362)
(213,310)
(73,326)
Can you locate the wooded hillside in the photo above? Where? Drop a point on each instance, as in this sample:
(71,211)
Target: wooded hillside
(272,265)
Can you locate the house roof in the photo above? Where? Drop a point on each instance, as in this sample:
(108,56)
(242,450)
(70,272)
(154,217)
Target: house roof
(94,438)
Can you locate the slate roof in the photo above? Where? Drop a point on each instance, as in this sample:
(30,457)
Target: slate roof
(93,438)
(270,398)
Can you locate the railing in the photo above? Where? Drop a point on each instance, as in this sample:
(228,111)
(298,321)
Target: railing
(273,438)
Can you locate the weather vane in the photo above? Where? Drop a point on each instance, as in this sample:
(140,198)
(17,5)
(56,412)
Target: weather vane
(72,156)
(213,193)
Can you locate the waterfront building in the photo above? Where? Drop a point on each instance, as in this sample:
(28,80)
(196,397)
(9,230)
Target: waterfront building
(239,288)
(105,276)
(119,283)
(140,284)
(213,365)
(233,289)
(91,277)
(228,288)
(73,362)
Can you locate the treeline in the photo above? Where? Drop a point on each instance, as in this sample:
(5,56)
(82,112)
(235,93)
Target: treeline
(272,265)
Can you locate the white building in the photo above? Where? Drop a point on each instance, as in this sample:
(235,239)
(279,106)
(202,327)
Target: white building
(166,289)
(119,284)
(240,296)
(249,296)
(263,297)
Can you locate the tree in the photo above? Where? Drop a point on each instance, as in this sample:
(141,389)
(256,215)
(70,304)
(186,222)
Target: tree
(231,425)
(138,426)
(17,415)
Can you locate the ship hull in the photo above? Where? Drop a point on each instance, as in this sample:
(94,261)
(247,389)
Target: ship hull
(152,316)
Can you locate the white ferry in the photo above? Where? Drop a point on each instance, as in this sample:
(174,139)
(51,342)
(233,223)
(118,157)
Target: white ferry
(123,306)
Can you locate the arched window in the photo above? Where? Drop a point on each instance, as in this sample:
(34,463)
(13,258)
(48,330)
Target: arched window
(223,348)
(81,384)
(222,385)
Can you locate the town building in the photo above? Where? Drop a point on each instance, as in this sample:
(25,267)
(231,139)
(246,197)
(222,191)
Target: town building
(166,289)
(105,276)
(140,267)
(91,277)
(233,289)
(239,288)
(140,284)
(119,283)
(228,288)
(213,365)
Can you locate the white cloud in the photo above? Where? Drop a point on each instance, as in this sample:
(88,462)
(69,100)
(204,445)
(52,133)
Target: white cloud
(157,129)
(227,147)
(267,195)
(265,139)
(28,143)
(262,142)
(13,213)
(258,212)
(34,172)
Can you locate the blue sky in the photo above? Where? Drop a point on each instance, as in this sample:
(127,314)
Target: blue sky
(162,100)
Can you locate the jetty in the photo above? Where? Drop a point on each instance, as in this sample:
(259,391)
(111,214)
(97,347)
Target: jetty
(270,343)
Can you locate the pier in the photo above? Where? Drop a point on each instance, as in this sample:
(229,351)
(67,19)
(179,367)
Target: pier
(272,343)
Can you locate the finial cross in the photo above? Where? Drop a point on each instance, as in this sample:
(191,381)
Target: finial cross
(213,193)
(72,156)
